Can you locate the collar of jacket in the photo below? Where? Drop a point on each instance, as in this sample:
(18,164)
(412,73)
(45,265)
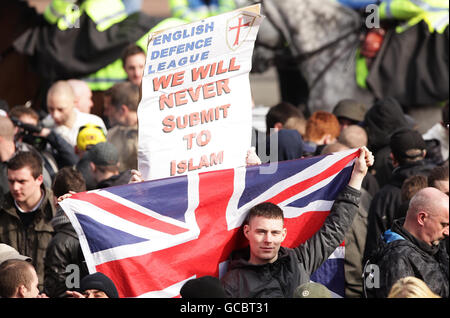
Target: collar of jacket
(397,227)
(60,218)
(401,173)
(240,258)
(45,211)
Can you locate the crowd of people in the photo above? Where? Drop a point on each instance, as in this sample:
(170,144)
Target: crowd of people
(392,215)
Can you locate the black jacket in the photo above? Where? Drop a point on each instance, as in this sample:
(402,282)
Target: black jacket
(386,204)
(294,266)
(63,250)
(404,255)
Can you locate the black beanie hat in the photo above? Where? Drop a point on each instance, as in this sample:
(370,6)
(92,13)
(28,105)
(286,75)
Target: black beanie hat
(203,287)
(101,282)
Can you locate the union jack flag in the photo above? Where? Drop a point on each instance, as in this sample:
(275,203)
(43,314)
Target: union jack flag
(151,237)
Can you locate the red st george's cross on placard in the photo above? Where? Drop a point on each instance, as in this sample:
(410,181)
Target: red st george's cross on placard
(238,29)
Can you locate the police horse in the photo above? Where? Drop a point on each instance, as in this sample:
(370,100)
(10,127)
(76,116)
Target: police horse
(320,39)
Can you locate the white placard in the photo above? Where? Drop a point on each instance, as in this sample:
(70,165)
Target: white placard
(195,114)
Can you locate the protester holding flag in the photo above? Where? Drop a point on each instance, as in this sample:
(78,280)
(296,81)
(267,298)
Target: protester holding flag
(265,269)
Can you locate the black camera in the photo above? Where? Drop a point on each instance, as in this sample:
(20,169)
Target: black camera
(27,132)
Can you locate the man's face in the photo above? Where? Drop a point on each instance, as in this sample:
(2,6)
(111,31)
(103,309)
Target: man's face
(22,184)
(435,227)
(94,293)
(134,67)
(60,108)
(33,290)
(265,237)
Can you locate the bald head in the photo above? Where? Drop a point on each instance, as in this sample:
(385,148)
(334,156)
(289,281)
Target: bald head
(427,216)
(61,88)
(429,199)
(61,102)
(83,95)
(353,136)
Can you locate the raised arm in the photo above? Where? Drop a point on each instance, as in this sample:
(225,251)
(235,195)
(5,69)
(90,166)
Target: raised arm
(319,247)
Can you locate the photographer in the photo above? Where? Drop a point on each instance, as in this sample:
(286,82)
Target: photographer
(56,152)
(8,148)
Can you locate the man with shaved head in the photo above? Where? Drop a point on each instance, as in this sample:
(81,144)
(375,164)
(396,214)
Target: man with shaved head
(61,104)
(413,247)
(353,136)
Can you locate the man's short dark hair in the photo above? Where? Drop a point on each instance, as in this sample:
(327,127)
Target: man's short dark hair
(13,273)
(124,93)
(265,209)
(68,179)
(20,110)
(26,159)
(130,50)
(280,113)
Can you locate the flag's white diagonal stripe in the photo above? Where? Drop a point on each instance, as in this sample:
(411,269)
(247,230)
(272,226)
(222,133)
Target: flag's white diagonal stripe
(108,219)
(141,209)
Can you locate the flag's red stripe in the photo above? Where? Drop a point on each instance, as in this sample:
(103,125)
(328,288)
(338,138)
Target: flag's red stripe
(129,214)
(305,184)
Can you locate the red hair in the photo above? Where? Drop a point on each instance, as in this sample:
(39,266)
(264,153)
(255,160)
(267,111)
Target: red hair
(320,124)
